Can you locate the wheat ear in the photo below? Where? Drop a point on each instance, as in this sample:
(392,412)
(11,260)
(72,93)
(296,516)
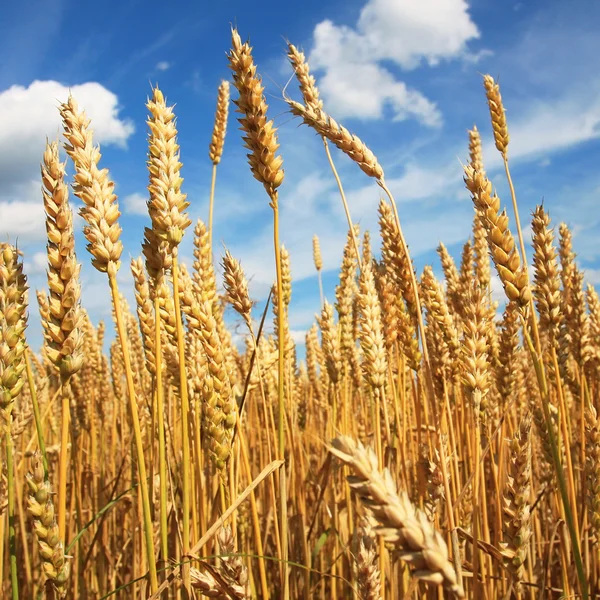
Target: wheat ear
(13,320)
(55,565)
(400,523)
(215,149)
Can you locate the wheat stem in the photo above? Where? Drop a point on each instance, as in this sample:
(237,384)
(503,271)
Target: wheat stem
(185,408)
(12,538)
(36,412)
(344,202)
(160,409)
(281,398)
(137,432)
(211,202)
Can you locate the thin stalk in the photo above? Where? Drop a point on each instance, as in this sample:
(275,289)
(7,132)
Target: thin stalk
(428,374)
(344,202)
(321,296)
(160,409)
(515,210)
(62,469)
(255,521)
(135,421)
(185,434)
(534,325)
(12,538)
(281,402)
(36,413)
(211,203)
(560,475)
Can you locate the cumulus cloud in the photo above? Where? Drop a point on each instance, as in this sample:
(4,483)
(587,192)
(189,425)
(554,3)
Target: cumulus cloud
(407,33)
(135,204)
(22,221)
(163,65)
(29,115)
(36,264)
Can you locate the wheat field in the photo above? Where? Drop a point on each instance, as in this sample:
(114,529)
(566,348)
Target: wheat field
(427,445)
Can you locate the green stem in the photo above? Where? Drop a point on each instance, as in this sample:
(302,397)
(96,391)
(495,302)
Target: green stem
(135,420)
(12,538)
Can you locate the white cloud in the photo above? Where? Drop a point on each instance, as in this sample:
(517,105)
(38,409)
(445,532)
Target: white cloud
(22,221)
(36,264)
(548,126)
(299,336)
(163,65)
(29,115)
(407,33)
(592,276)
(135,204)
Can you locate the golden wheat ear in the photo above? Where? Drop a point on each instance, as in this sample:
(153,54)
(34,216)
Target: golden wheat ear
(400,523)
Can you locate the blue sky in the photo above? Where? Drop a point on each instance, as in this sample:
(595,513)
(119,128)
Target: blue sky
(403,75)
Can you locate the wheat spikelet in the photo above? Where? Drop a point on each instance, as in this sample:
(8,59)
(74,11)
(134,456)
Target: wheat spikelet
(286,277)
(474,356)
(517,506)
(465,277)
(500,240)
(578,321)
(13,321)
(475,153)
(546,290)
(371,332)
(40,506)
(260,134)
(232,567)
(506,371)
(437,309)
(215,150)
(593,302)
(401,524)
(157,257)
(317,258)
(368,576)
(218,410)
(338,135)
(312,361)
(145,312)
(167,203)
(481,254)
(308,86)
(345,293)
(390,307)
(237,287)
(497,113)
(394,259)
(62,328)
(592,442)
(93,186)
(452,277)
(330,343)
(205,281)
